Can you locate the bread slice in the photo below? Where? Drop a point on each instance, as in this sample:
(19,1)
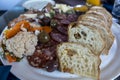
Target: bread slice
(105,12)
(100,17)
(78,59)
(96,18)
(87,35)
(93,21)
(99,13)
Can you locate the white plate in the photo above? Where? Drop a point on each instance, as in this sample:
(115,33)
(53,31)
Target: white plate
(37,4)
(110,67)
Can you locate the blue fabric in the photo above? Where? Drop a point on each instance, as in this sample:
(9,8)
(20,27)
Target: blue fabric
(109,7)
(5,73)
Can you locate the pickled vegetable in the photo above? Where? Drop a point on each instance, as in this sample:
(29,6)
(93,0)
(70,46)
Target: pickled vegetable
(10,58)
(43,37)
(47,29)
(94,2)
(13,31)
(81,8)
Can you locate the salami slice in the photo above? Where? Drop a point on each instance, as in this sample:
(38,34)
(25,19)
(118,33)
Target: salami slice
(60,16)
(58,37)
(72,17)
(50,51)
(62,29)
(38,59)
(48,44)
(65,22)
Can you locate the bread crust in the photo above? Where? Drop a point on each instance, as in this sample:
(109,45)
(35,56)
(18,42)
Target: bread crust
(91,28)
(105,12)
(98,15)
(98,61)
(106,36)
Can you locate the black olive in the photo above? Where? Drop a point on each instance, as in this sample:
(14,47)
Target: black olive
(46,21)
(43,37)
(51,66)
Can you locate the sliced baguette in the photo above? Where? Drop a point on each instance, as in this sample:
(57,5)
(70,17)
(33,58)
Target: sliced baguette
(96,18)
(102,19)
(105,12)
(92,21)
(78,59)
(106,20)
(87,35)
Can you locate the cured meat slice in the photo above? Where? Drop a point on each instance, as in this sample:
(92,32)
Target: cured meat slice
(60,16)
(44,58)
(65,22)
(72,17)
(62,29)
(50,51)
(46,45)
(38,59)
(58,37)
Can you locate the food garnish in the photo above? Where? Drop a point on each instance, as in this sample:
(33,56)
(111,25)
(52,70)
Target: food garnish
(14,30)
(82,8)
(10,58)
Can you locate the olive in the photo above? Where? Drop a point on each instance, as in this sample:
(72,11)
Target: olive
(46,21)
(53,23)
(51,66)
(43,37)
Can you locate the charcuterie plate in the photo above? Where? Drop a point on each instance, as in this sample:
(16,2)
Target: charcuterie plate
(109,68)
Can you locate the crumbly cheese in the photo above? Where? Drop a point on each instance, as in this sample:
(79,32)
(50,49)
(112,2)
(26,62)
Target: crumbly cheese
(22,43)
(63,7)
(33,16)
(47,14)
(35,24)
